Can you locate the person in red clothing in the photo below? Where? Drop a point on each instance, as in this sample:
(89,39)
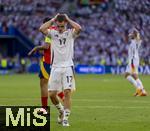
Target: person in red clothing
(44,73)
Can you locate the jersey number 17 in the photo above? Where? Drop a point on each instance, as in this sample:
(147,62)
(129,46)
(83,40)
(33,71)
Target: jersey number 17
(62,41)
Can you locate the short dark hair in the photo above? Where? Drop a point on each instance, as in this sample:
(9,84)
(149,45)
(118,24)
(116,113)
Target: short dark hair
(46,19)
(61,18)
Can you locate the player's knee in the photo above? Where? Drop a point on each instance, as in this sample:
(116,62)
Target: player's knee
(126,75)
(67,93)
(52,94)
(135,76)
(43,83)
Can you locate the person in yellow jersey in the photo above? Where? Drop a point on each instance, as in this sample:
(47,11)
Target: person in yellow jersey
(4,63)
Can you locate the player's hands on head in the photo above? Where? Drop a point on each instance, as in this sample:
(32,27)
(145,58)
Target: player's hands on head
(55,17)
(67,18)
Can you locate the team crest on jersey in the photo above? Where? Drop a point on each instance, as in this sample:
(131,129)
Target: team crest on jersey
(66,33)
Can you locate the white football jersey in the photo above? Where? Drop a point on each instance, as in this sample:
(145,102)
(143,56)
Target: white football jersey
(62,48)
(133,52)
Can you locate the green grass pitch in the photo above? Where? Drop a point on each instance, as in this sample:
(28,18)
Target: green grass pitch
(101,102)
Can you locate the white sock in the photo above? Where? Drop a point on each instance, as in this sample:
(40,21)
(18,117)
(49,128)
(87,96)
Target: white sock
(139,82)
(66,114)
(60,107)
(133,81)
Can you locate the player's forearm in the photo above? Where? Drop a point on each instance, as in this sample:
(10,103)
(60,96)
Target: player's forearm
(42,47)
(75,25)
(38,48)
(44,27)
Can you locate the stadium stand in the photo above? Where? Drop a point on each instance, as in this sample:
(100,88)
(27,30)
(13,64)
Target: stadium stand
(105,26)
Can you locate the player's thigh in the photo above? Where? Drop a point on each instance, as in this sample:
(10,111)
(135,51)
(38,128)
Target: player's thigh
(68,79)
(54,83)
(132,70)
(43,83)
(135,71)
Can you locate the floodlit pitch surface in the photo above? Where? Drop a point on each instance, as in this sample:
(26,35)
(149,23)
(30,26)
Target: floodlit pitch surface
(101,102)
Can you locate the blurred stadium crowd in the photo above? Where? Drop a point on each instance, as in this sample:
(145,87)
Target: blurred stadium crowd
(105,26)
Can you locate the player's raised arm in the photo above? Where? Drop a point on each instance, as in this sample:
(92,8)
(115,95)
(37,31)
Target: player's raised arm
(76,26)
(44,27)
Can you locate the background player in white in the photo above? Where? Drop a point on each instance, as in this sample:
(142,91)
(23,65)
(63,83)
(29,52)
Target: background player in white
(62,64)
(133,58)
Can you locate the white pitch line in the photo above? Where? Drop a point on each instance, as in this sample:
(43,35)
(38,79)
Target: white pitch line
(109,107)
(98,100)
(95,107)
(112,107)
(78,100)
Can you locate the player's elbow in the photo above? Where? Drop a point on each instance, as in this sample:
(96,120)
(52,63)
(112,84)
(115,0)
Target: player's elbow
(41,29)
(80,28)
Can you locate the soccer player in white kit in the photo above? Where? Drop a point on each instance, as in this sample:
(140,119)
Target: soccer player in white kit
(62,74)
(133,58)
